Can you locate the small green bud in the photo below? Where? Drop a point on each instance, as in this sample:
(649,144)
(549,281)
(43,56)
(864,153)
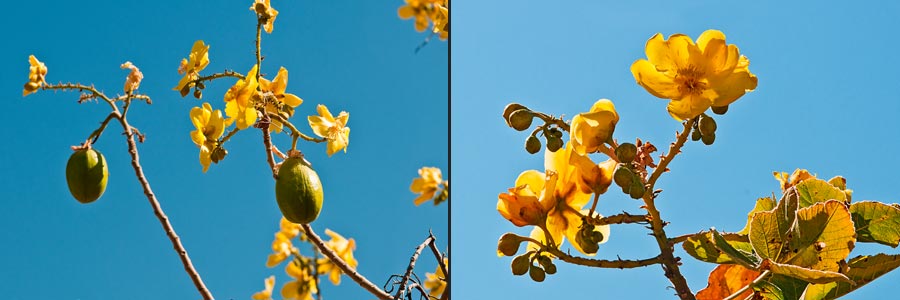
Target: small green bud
(510,108)
(520,264)
(585,239)
(218,154)
(720,110)
(201,85)
(547,264)
(554,143)
(198,94)
(532,144)
(708,139)
(596,236)
(637,190)
(623,176)
(509,244)
(707,125)
(626,152)
(521,119)
(536,273)
(695,134)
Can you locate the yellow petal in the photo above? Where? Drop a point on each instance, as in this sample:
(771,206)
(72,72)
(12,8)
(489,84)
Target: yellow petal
(533,179)
(658,83)
(658,54)
(405,12)
(733,87)
(683,51)
(291,100)
(198,137)
(280,81)
(323,111)
(343,118)
(709,35)
(319,125)
(289,290)
(204,157)
(688,107)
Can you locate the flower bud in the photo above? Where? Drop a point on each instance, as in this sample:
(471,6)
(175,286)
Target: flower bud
(520,119)
(720,110)
(626,152)
(537,274)
(585,239)
(185,90)
(547,264)
(510,108)
(554,143)
(708,139)
(695,134)
(623,176)
(520,264)
(707,125)
(532,145)
(509,244)
(198,94)
(637,190)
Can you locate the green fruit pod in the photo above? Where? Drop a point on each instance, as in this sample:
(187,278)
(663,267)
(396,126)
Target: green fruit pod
(86,175)
(298,191)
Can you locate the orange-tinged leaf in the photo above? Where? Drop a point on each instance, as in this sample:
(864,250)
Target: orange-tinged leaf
(725,280)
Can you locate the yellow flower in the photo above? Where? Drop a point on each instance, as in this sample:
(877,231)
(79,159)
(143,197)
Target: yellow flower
(426,185)
(266,13)
(210,126)
(344,249)
(694,76)
(36,73)
(133,80)
(591,129)
(560,196)
(435,282)
(522,205)
(282,248)
(303,286)
(191,66)
(798,176)
(289,229)
(594,178)
(276,88)
(239,101)
(266,294)
(441,19)
(415,9)
(333,129)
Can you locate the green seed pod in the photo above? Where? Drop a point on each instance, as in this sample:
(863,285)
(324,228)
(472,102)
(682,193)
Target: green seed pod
(198,94)
(86,175)
(626,152)
(510,108)
(532,144)
(720,110)
(536,273)
(695,134)
(509,244)
(218,154)
(585,239)
(520,119)
(554,143)
(623,176)
(636,191)
(709,139)
(298,191)
(596,236)
(707,125)
(520,264)
(547,264)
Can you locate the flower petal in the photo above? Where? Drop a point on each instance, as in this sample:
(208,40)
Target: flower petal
(291,100)
(534,179)
(688,107)
(733,87)
(657,83)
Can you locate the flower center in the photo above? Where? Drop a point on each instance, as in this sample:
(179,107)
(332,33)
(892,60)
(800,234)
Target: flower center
(690,80)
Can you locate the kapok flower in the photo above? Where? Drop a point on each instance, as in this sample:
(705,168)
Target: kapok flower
(191,66)
(795,178)
(36,73)
(694,76)
(277,87)
(344,249)
(266,13)
(441,20)
(265,294)
(210,127)
(426,185)
(289,229)
(303,286)
(238,100)
(593,178)
(282,248)
(133,80)
(415,9)
(591,129)
(435,282)
(522,205)
(333,129)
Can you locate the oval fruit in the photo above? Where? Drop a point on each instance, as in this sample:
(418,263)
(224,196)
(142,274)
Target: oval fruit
(298,191)
(86,174)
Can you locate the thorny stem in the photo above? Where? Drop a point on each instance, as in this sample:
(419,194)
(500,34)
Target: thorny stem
(294,131)
(267,141)
(212,77)
(341,264)
(669,262)
(259,24)
(550,119)
(439,257)
(96,134)
(597,263)
(623,218)
(759,278)
(412,264)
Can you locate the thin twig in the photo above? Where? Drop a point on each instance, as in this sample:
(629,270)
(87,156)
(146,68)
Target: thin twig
(267,141)
(439,257)
(759,278)
(294,131)
(412,264)
(96,134)
(227,73)
(597,263)
(669,262)
(341,264)
(550,119)
(623,218)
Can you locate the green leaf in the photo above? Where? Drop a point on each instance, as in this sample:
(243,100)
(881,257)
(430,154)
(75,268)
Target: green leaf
(805,274)
(702,247)
(876,222)
(824,235)
(768,290)
(762,204)
(769,229)
(862,270)
(813,191)
(743,258)
(791,288)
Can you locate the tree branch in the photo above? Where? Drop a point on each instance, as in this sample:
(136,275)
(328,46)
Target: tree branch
(341,264)
(412,264)
(623,218)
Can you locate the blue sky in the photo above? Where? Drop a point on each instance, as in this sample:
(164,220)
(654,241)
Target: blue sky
(350,55)
(827,101)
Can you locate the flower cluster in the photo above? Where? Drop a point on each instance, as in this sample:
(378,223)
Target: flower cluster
(424,12)
(36,73)
(427,186)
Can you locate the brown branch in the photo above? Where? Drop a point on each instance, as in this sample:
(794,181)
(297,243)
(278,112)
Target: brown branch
(341,264)
(670,263)
(412,264)
(267,141)
(623,218)
(597,263)
(227,73)
(157,209)
(439,256)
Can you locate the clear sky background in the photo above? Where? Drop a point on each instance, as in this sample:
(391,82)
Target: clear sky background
(827,101)
(356,56)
